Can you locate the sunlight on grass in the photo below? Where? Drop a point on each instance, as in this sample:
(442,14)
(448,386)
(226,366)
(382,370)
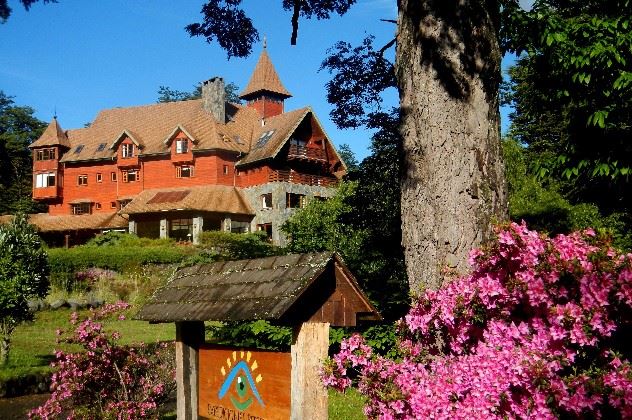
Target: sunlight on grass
(347,406)
(33,344)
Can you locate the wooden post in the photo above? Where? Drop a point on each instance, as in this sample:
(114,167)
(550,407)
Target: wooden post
(189,336)
(310,342)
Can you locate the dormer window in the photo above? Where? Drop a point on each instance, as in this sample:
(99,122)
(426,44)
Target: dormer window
(127,150)
(182,145)
(46,154)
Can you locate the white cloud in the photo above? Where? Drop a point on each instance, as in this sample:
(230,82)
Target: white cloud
(526,4)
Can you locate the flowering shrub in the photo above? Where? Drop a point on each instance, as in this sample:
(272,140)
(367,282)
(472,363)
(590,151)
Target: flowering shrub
(106,380)
(536,331)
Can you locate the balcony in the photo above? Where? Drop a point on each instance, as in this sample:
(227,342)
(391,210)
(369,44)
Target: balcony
(45,193)
(298,178)
(306,153)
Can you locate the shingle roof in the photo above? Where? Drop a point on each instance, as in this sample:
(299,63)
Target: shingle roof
(52,136)
(282,127)
(274,288)
(265,78)
(210,198)
(152,124)
(44,222)
(262,288)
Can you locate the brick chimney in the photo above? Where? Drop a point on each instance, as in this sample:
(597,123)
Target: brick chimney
(214,98)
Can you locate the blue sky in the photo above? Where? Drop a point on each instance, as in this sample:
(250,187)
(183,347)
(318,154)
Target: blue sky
(77,57)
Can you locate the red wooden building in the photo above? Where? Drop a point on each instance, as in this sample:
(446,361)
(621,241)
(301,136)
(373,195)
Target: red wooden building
(175,169)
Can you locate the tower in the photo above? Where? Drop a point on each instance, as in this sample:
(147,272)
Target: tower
(264,91)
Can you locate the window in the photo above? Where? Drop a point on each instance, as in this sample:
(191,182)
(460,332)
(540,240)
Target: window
(225,169)
(127,150)
(98,206)
(295,201)
(181,229)
(266,201)
(45,180)
(82,180)
(80,208)
(267,228)
(131,176)
(123,203)
(99,177)
(78,149)
(113,176)
(112,204)
(182,145)
(239,227)
(101,147)
(265,136)
(184,171)
(46,154)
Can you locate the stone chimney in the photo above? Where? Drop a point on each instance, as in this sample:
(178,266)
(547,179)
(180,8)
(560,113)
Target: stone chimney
(214,98)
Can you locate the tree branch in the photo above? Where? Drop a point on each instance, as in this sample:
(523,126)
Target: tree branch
(295,13)
(389,20)
(387,46)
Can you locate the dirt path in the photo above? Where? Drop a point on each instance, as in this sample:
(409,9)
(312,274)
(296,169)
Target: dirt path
(17,407)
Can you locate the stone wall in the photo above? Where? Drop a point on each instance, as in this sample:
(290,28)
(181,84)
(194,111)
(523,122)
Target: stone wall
(279,212)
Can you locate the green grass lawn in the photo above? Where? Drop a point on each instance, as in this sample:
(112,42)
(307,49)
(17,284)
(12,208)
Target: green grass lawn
(347,406)
(33,344)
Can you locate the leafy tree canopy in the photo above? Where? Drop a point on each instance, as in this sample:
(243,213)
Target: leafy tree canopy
(226,22)
(576,69)
(18,129)
(166,94)
(23,276)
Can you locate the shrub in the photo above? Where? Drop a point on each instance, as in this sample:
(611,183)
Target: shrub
(538,330)
(237,246)
(65,263)
(107,380)
(256,334)
(23,276)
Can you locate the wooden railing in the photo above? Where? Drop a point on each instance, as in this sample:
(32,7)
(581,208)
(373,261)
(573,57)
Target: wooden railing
(299,152)
(298,178)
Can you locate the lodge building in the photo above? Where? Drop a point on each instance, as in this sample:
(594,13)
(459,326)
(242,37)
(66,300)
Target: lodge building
(175,169)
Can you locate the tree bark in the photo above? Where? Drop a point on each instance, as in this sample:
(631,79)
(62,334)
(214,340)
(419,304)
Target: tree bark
(453,187)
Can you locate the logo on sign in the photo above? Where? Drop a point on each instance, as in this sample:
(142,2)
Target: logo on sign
(238,377)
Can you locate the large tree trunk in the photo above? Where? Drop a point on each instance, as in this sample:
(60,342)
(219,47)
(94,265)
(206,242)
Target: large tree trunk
(453,188)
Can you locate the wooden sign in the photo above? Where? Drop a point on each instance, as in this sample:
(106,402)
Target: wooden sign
(242,384)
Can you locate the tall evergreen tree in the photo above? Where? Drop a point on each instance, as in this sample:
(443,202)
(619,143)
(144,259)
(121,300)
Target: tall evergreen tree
(18,129)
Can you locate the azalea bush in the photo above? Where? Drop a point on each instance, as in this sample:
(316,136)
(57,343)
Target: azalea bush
(106,380)
(537,330)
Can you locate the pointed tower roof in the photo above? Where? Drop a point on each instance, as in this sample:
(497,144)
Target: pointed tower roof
(52,136)
(264,79)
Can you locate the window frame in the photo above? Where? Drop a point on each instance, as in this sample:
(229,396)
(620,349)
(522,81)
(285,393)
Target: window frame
(82,180)
(126,175)
(42,180)
(264,201)
(289,200)
(46,154)
(113,177)
(99,177)
(127,150)
(189,168)
(182,146)
(81,208)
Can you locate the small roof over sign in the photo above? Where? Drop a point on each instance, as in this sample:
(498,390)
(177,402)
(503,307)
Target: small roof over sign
(289,289)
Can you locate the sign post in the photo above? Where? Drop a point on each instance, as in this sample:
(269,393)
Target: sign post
(308,292)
